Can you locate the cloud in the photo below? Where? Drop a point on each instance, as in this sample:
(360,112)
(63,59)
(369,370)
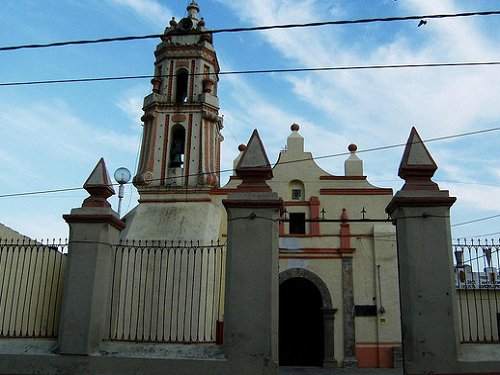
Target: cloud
(130,103)
(51,137)
(150,10)
(381,105)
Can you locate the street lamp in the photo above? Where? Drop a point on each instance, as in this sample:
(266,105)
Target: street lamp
(122,176)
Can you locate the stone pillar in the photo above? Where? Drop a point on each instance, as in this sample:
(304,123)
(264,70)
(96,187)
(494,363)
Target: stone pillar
(251,299)
(94,228)
(428,306)
(329,329)
(347,293)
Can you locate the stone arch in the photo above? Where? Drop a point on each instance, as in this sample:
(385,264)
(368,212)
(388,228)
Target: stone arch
(328,310)
(315,279)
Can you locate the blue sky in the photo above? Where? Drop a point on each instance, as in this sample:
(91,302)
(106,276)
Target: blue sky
(53,135)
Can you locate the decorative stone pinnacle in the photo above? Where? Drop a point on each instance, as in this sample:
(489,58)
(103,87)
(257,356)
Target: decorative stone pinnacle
(99,186)
(417,166)
(253,166)
(345,216)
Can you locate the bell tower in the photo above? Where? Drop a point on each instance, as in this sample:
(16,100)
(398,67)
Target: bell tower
(182,128)
(179,163)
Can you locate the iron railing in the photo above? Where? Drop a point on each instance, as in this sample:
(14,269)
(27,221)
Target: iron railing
(31,279)
(478,290)
(163,292)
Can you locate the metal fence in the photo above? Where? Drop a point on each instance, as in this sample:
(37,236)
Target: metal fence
(163,292)
(478,290)
(31,279)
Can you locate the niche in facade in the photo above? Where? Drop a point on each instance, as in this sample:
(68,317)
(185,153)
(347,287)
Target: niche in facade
(177,148)
(181,86)
(296,188)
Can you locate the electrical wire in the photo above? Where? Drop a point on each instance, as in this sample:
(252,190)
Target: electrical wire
(260,71)
(475,221)
(478,235)
(452,136)
(255,28)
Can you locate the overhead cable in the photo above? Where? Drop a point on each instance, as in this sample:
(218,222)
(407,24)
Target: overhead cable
(447,137)
(255,28)
(476,220)
(259,71)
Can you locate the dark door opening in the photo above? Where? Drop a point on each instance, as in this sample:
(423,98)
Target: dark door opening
(301,337)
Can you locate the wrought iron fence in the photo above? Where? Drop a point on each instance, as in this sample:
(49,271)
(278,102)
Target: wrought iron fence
(31,279)
(163,292)
(478,290)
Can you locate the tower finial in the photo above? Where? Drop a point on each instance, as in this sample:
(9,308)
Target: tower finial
(193,9)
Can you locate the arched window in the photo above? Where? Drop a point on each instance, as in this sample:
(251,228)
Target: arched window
(296,190)
(177,146)
(181,86)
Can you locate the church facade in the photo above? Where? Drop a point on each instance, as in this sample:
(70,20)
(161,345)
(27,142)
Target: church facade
(339,298)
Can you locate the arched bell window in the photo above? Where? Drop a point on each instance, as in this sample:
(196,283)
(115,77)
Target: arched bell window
(177,147)
(181,86)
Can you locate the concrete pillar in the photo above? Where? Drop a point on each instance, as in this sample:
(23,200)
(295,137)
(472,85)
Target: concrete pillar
(329,329)
(428,308)
(348,310)
(347,293)
(94,228)
(251,299)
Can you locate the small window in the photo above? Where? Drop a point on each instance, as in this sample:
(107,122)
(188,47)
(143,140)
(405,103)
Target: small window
(297,223)
(365,310)
(296,194)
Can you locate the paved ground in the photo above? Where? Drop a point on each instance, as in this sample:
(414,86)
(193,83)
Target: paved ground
(334,371)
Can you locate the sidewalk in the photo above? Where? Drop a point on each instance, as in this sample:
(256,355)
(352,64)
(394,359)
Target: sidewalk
(334,371)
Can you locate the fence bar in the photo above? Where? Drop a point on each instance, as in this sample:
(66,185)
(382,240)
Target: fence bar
(165,292)
(478,290)
(31,277)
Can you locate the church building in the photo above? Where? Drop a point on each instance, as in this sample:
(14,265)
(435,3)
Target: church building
(338,273)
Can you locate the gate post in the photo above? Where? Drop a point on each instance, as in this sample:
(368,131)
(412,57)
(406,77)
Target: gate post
(251,299)
(94,228)
(421,213)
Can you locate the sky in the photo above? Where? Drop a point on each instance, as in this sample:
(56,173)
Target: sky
(53,135)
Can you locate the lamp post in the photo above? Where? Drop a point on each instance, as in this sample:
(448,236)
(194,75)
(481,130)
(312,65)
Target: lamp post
(122,176)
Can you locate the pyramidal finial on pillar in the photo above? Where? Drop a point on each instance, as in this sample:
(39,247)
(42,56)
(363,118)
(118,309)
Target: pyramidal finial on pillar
(417,166)
(254,167)
(99,186)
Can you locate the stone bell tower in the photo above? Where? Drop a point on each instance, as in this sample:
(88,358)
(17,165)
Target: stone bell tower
(179,162)
(181,137)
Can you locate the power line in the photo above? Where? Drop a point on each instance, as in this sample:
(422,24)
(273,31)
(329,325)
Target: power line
(256,28)
(465,183)
(40,192)
(476,132)
(260,71)
(475,220)
(478,235)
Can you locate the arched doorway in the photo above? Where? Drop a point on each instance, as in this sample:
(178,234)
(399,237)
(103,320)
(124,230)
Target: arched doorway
(301,329)
(302,289)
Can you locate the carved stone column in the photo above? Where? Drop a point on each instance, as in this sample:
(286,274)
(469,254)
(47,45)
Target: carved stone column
(329,332)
